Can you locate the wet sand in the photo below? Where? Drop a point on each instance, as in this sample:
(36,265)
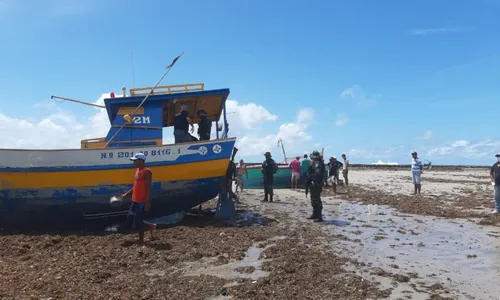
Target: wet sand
(377,242)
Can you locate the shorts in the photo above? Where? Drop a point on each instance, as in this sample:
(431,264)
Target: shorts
(295,175)
(239,176)
(137,215)
(416,177)
(331,180)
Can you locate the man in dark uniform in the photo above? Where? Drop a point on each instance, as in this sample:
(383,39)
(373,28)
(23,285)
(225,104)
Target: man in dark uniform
(205,126)
(181,126)
(269,168)
(315,177)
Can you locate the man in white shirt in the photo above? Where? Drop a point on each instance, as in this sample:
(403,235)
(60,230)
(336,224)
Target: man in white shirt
(416,172)
(345,169)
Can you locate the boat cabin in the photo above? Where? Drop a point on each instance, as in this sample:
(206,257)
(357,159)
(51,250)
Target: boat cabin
(131,127)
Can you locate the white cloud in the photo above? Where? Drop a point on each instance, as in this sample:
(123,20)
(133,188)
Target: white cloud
(244,117)
(463,148)
(342,119)
(423,32)
(360,96)
(60,129)
(293,134)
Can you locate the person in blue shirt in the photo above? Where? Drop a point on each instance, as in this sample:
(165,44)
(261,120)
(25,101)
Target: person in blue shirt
(304,166)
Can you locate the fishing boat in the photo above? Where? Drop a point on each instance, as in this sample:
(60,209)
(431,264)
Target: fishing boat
(76,184)
(255,179)
(281,178)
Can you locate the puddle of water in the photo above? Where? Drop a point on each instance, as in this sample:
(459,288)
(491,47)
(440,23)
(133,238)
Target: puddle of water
(458,254)
(339,223)
(234,269)
(249,216)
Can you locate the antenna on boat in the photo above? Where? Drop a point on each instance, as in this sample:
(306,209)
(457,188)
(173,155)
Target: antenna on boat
(144,100)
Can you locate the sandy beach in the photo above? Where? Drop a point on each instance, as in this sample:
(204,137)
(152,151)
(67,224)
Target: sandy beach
(378,241)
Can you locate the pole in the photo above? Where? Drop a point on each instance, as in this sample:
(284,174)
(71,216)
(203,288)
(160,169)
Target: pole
(283,149)
(78,101)
(145,98)
(226,129)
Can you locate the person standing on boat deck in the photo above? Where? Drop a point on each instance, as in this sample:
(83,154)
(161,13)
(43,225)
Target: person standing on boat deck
(495,181)
(141,197)
(205,125)
(416,172)
(304,166)
(240,171)
(345,169)
(269,168)
(295,166)
(315,176)
(182,122)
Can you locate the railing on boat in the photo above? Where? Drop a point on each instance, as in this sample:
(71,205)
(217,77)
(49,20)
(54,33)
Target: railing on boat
(101,142)
(166,89)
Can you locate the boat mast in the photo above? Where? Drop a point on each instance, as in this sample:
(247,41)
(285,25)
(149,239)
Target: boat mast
(129,117)
(280,141)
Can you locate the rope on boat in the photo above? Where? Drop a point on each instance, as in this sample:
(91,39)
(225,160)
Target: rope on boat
(145,98)
(78,101)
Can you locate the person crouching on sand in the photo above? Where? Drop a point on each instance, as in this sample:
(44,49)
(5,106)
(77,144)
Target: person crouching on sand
(141,197)
(416,172)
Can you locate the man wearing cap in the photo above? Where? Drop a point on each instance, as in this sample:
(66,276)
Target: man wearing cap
(315,177)
(268,169)
(205,125)
(416,172)
(181,126)
(495,181)
(141,197)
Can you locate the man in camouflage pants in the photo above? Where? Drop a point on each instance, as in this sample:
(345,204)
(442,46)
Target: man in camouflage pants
(315,177)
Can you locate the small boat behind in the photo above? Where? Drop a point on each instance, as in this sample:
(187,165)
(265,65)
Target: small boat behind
(76,184)
(255,178)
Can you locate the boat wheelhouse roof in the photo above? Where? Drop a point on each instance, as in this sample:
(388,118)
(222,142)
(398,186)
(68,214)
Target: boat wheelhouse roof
(172,98)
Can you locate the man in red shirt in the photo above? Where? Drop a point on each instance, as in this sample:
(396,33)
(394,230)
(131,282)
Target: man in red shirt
(295,166)
(141,197)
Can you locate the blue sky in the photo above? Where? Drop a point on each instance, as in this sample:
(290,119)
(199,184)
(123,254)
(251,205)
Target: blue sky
(374,79)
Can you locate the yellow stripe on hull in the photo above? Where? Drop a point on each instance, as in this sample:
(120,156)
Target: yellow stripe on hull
(69,179)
